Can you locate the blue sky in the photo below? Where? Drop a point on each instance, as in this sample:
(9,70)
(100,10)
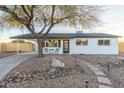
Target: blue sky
(113,18)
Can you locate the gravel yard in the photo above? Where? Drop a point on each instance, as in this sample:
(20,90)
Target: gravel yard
(116,64)
(34,72)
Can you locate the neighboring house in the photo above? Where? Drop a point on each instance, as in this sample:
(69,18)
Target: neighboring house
(78,43)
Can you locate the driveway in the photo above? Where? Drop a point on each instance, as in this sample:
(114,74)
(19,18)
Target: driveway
(8,63)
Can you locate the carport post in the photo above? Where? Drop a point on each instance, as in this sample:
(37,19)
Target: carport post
(17,48)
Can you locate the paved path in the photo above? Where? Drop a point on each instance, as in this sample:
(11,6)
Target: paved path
(103,81)
(8,63)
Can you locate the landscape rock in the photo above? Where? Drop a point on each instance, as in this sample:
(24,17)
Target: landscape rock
(51,71)
(24,75)
(41,78)
(17,73)
(20,75)
(3,84)
(29,76)
(57,63)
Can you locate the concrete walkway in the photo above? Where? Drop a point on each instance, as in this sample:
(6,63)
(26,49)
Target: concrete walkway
(8,63)
(103,81)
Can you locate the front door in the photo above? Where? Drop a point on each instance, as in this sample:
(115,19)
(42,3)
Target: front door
(65,46)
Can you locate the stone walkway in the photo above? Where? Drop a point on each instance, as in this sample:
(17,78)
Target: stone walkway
(103,81)
(8,63)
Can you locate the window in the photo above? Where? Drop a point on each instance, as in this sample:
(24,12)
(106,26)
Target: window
(78,42)
(107,42)
(84,42)
(100,42)
(53,43)
(103,42)
(81,42)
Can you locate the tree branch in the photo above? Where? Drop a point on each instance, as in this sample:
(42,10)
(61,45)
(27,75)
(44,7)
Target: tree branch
(52,14)
(52,23)
(44,19)
(26,12)
(19,19)
(14,15)
(30,17)
(60,20)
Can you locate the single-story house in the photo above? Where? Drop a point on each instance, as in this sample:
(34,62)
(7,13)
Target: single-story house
(77,43)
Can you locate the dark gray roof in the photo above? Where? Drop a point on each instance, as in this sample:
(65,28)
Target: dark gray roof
(68,35)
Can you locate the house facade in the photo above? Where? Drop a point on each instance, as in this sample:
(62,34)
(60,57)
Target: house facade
(77,43)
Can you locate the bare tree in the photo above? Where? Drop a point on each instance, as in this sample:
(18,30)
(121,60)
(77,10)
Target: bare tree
(46,17)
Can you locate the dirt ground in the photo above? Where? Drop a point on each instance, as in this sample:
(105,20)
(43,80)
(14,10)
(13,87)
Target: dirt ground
(73,75)
(7,54)
(116,66)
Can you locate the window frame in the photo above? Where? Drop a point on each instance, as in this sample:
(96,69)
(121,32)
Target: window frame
(104,42)
(52,43)
(82,42)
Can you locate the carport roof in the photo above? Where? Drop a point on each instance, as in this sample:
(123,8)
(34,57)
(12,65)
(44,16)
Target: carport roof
(68,35)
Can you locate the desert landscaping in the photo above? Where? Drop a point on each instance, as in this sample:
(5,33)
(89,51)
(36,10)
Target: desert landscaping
(67,73)
(116,66)
(38,72)
(61,46)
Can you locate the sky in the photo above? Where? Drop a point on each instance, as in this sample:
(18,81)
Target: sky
(112,18)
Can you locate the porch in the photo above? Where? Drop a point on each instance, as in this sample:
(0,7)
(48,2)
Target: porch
(56,46)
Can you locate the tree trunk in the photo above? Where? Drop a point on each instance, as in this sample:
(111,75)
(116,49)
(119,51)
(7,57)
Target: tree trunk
(40,48)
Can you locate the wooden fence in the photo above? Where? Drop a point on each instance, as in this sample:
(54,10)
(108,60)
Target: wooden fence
(12,47)
(121,47)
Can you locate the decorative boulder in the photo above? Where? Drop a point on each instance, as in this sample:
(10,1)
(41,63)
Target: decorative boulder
(120,58)
(57,63)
